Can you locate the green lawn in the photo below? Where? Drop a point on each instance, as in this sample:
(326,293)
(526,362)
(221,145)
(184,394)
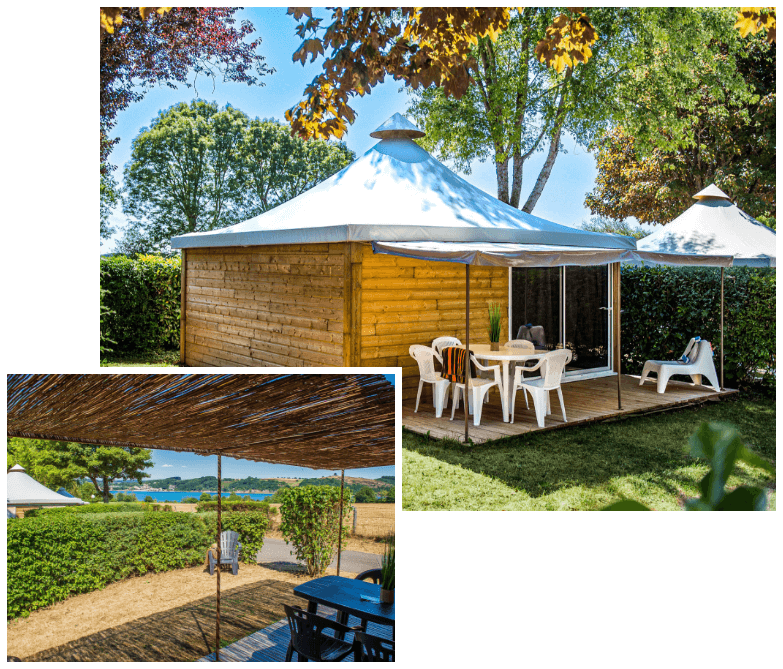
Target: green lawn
(585,467)
(153,359)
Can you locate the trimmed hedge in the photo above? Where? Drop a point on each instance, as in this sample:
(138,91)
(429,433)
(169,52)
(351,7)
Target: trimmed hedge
(663,307)
(237,506)
(52,557)
(112,507)
(144,296)
(57,555)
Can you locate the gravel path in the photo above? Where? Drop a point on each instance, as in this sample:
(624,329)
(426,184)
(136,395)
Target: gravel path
(276,551)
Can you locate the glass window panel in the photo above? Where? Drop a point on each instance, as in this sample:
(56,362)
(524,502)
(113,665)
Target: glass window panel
(587,324)
(535,305)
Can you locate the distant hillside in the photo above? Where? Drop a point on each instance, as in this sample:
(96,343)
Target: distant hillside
(209,483)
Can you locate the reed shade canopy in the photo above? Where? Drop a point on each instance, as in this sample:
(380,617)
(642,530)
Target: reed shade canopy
(320,421)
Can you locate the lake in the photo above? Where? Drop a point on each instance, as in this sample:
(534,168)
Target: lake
(179,496)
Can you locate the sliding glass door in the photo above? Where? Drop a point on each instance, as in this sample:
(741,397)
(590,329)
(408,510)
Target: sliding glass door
(565,306)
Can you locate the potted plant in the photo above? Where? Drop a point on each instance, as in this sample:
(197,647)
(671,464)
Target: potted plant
(494,326)
(387,573)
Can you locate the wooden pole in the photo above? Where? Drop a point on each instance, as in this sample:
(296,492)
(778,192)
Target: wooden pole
(467,350)
(340,533)
(616,320)
(721,328)
(219,532)
(183,305)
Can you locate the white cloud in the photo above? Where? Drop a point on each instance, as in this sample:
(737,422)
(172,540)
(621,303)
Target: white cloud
(167,465)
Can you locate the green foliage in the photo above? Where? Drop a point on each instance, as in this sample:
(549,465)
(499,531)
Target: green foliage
(251,527)
(334,482)
(366,495)
(150,498)
(663,307)
(387,565)
(200,168)
(55,556)
(614,227)
(721,446)
(144,297)
(236,505)
(92,509)
(310,522)
(189,500)
(387,479)
(233,497)
(109,199)
(205,497)
(129,497)
(494,321)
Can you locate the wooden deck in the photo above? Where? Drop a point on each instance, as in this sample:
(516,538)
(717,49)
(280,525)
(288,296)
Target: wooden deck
(271,643)
(585,402)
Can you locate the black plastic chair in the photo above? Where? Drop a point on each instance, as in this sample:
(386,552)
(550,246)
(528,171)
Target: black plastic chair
(374,649)
(373,575)
(309,641)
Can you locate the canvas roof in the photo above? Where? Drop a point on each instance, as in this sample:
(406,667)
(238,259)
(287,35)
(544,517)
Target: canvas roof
(321,421)
(23,489)
(715,226)
(397,192)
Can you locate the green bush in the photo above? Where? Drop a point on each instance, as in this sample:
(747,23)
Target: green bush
(237,505)
(144,296)
(54,556)
(189,500)
(111,507)
(663,307)
(310,522)
(251,527)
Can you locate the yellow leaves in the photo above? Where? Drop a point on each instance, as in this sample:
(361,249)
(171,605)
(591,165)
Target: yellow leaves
(567,42)
(752,20)
(112,16)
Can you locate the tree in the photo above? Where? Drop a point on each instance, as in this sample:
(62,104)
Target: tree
(100,464)
(277,167)
(517,106)
(205,497)
(149,498)
(145,49)
(199,168)
(728,139)
(233,497)
(109,199)
(366,495)
(30,454)
(189,500)
(613,227)
(389,496)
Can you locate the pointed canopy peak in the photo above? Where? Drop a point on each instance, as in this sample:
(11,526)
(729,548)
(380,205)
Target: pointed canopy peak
(711,191)
(395,127)
(16,468)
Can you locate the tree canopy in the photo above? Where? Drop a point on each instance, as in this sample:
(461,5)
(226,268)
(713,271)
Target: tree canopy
(145,47)
(200,168)
(724,134)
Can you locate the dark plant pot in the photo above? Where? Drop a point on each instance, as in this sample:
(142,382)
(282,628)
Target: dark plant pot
(387,596)
(494,346)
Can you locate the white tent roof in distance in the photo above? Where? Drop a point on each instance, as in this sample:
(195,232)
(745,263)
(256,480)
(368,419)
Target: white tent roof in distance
(397,192)
(715,226)
(23,490)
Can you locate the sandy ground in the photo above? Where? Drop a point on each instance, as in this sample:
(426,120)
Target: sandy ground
(131,600)
(360,544)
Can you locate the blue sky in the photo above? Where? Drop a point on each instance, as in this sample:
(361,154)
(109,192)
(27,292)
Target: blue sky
(190,465)
(562,201)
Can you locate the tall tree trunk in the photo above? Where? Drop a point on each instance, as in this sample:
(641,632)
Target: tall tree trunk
(501,172)
(105,490)
(516,177)
(549,163)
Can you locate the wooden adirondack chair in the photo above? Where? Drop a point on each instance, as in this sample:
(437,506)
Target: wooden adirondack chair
(229,552)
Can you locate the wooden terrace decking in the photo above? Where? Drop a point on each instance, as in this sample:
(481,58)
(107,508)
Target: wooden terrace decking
(271,643)
(585,401)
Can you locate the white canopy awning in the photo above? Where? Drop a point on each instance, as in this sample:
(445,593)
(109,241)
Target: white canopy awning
(24,490)
(536,255)
(715,226)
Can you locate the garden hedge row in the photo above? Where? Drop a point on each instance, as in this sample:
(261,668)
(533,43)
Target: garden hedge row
(112,507)
(144,296)
(663,307)
(228,505)
(53,556)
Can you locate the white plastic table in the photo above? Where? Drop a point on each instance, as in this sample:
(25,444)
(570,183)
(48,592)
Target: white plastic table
(505,355)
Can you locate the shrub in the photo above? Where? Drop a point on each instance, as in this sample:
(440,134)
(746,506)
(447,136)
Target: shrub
(112,507)
(149,498)
(54,556)
(251,527)
(663,307)
(235,505)
(189,500)
(205,497)
(309,521)
(144,297)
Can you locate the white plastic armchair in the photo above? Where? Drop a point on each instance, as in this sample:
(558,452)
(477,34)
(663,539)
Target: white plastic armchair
(424,355)
(529,347)
(552,366)
(479,388)
(700,364)
(439,343)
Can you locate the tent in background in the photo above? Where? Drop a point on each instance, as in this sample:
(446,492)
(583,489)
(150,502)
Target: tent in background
(24,490)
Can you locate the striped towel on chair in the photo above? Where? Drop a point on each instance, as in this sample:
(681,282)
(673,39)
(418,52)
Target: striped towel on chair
(454,364)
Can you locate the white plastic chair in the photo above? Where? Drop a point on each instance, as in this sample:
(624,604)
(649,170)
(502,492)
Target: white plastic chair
(552,366)
(423,355)
(700,354)
(530,347)
(439,343)
(479,388)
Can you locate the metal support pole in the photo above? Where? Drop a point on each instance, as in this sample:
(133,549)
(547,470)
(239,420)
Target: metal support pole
(219,532)
(467,349)
(617,324)
(721,328)
(340,534)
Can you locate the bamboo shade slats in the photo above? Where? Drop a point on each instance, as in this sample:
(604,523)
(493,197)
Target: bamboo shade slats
(328,421)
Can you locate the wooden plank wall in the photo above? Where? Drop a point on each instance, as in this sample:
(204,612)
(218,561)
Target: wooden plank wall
(265,305)
(407,301)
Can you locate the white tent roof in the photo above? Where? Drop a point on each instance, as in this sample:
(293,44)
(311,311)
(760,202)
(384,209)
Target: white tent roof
(397,192)
(23,489)
(715,226)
